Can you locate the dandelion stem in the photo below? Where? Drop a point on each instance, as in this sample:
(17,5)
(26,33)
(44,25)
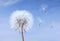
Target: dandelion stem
(22,34)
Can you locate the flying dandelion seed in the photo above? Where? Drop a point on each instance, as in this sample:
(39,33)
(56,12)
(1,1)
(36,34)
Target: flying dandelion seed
(40,21)
(21,20)
(44,8)
(52,25)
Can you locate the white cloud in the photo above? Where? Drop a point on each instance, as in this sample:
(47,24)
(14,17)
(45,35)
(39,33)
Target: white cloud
(8,2)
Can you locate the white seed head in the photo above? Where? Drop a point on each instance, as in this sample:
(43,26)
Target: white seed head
(21,18)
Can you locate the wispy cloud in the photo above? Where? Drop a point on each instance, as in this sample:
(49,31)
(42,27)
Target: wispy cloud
(8,2)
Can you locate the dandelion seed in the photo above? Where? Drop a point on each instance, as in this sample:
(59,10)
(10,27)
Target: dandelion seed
(44,8)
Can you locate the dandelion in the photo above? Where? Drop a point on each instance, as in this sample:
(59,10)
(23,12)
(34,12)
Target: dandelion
(22,21)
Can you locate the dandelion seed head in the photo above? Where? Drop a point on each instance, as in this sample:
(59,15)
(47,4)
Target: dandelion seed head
(22,16)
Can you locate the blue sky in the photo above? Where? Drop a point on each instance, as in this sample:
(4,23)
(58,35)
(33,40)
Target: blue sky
(46,15)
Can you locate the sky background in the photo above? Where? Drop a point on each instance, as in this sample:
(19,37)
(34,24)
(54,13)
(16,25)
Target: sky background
(46,15)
